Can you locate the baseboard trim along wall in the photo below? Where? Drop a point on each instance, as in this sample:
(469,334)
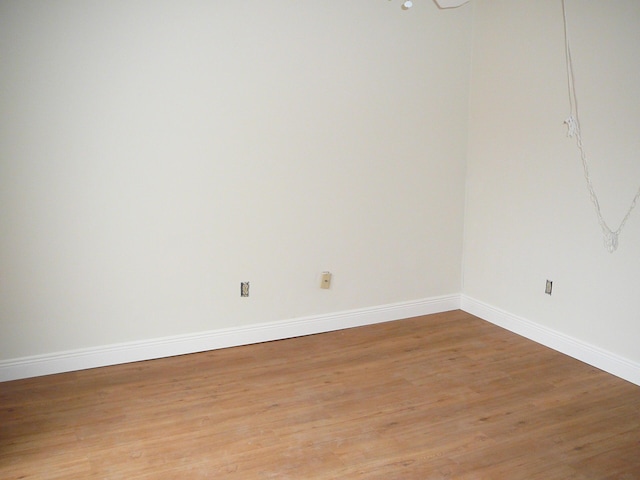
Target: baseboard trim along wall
(587,353)
(106,355)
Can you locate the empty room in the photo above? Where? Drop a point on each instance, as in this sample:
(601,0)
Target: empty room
(310,239)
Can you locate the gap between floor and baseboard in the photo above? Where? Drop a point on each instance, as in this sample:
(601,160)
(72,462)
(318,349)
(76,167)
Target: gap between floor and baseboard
(101,356)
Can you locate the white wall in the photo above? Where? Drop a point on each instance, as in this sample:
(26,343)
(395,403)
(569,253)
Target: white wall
(154,154)
(528,215)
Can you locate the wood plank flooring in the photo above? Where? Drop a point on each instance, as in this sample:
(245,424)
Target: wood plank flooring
(444,396)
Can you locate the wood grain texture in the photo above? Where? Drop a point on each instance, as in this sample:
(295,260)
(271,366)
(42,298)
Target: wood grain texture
(435,397)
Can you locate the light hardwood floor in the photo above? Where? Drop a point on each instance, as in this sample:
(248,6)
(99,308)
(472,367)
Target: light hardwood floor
(434,397)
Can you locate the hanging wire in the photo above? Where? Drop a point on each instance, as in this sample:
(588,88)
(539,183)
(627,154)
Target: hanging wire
(610,236)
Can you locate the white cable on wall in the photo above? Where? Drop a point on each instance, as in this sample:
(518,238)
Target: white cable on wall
(610,236)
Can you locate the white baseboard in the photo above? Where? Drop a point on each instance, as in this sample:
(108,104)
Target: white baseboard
(81,359)
(587,353)
(106,355)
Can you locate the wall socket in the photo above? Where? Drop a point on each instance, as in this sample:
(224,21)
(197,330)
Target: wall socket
(325,280)
(548,287)
(244,289)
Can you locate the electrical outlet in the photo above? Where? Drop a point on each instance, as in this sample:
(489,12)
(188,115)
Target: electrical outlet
(325,281)
(548,287)
(244,289)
